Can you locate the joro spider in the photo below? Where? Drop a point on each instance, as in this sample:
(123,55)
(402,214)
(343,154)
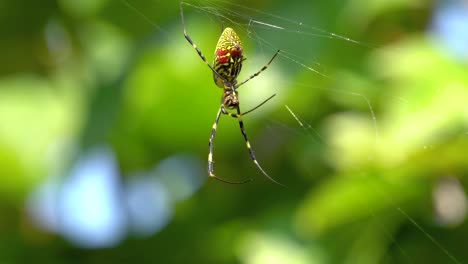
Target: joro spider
(226,67)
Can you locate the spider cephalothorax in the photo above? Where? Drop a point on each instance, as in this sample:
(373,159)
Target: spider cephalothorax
(230,100)
(226,67)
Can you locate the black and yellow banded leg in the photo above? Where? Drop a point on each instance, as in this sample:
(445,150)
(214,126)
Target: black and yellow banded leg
(249,148)
(210,154)
(260,71)
(223,110)
(193,43)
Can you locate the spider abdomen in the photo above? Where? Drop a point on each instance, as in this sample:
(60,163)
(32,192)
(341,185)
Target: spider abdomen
(228,58)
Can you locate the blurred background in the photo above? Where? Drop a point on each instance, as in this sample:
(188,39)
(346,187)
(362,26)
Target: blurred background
(106,111)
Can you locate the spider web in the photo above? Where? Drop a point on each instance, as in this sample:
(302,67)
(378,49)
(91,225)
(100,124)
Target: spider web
(263,33)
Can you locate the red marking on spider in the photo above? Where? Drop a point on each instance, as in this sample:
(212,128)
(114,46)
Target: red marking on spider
(223,55)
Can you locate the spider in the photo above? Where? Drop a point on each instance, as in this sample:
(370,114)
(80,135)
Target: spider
(226,67)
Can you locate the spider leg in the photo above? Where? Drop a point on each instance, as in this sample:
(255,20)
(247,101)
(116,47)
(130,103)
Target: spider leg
(249,147)
(187,37)
(210,154)
(260,71)
(251,110)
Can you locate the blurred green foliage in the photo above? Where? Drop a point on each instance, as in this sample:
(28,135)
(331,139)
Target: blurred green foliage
(384,124)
